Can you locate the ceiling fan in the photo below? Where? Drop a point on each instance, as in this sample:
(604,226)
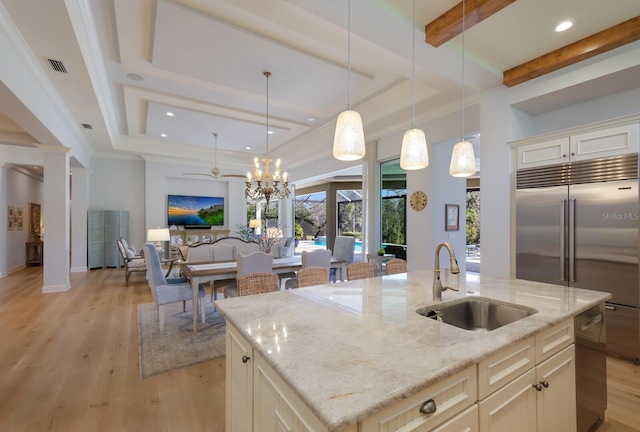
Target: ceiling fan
(215,171)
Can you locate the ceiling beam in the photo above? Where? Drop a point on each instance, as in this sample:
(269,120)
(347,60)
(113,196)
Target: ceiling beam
(606,40)
(449,25)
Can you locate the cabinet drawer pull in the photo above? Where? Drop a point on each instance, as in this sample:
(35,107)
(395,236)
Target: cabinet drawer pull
(245,358)
(429,407)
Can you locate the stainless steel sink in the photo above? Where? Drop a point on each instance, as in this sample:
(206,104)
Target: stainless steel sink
(477,314)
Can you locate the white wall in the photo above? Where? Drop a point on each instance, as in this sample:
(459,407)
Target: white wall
(119,184)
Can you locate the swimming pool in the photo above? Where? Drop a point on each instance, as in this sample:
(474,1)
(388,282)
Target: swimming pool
(322,241)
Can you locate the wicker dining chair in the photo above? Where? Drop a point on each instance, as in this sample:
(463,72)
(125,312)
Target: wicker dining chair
(313,275)
(396,265)
(360,270)
(257,283)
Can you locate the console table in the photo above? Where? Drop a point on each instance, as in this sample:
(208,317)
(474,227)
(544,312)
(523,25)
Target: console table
(34,253)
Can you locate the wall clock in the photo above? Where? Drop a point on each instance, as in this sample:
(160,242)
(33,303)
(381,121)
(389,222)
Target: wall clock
(418,200)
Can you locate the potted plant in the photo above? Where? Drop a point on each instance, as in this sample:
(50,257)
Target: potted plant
(299,233)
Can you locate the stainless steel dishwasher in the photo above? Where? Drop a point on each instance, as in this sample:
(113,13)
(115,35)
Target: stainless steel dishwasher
(591,367)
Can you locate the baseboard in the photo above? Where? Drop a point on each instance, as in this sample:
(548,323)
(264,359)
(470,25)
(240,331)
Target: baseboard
(55,288)
(79,269)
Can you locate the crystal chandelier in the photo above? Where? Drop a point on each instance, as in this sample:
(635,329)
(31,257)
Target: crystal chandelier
(267,183)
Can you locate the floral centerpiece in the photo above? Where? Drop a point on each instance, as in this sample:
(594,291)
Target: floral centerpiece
(270,237)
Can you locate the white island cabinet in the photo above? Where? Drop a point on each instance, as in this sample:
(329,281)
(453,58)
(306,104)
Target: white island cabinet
(356,357)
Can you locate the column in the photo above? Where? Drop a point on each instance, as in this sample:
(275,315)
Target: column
(55,217)
(79,208)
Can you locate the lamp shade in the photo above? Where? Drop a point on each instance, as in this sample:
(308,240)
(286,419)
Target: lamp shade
(158,234)
(463,160)
(348,143)
(414,154)
(254,223)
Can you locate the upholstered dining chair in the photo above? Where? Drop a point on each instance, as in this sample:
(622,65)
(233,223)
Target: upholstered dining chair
(258,283)
(166,291)
(132,262)
(344,248)
(360,270)
(199,253)
(311,258)
(255,262)
(222,252)
(396,265)
(310,276)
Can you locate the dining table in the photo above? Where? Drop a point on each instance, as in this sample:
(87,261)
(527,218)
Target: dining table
(199,272)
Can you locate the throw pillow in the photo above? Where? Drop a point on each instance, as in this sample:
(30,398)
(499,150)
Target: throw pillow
(131,253)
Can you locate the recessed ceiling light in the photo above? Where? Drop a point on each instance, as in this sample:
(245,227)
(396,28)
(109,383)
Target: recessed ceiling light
(270,132)
(564,25)
(169,113)
(163,135)
(311,119)
(135,77)
(247,148)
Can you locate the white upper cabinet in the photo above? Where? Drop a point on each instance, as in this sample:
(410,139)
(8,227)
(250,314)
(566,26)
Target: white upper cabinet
(577,146)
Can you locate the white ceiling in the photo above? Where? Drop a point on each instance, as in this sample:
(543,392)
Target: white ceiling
(203,60)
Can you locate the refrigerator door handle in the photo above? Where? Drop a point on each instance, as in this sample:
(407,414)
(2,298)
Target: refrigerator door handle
(572,240)
(563,250)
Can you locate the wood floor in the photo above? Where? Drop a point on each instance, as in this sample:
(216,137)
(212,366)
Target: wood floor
(69,362)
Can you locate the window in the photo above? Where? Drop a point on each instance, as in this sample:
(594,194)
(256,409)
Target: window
(393,216)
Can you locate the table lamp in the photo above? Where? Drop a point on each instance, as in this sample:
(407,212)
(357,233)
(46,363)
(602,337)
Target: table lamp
(253,224)
(158,235)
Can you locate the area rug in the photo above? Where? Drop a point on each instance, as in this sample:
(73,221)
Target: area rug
(177,346)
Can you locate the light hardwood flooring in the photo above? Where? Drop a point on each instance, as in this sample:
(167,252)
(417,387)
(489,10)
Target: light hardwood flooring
(69,362)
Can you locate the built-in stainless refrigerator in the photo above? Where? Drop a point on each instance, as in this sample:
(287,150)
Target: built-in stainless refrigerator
(577,225)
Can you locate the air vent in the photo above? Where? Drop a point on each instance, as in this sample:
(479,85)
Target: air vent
(87,126)
(57,66)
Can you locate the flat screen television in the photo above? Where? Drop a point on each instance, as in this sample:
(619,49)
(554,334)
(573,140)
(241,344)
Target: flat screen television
(195,211)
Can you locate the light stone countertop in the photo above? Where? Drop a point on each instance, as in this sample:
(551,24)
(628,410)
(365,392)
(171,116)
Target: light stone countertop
(351,349)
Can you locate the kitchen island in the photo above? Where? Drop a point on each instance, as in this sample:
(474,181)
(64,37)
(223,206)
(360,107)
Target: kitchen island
(339,355)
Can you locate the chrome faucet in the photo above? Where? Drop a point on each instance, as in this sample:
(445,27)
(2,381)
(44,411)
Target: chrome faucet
(454,269)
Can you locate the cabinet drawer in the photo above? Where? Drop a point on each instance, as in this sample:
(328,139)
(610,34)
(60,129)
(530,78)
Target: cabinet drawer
(553,340)
(450,396)
(504,366)
(466,421)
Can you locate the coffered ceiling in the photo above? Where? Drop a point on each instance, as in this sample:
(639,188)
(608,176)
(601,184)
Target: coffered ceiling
(129,62)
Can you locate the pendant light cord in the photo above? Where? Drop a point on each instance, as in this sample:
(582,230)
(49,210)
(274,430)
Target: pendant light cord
(349,55)
(413,67)
(463,19)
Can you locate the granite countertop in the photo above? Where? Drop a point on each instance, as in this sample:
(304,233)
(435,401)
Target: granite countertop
(353,348)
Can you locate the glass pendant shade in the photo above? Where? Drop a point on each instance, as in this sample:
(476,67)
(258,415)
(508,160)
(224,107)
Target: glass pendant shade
(414,153)
(463,160)
(348,143)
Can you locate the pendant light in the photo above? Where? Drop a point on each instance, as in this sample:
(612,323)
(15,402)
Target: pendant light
(463,160)
(348,142)
(414,154)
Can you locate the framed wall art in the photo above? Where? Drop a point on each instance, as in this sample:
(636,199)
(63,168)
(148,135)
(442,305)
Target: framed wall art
(34,221)
(19,217)
(11,217)
(452,217)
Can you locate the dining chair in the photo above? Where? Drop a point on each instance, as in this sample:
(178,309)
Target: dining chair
(258,283)
(199,253)
(255,262)
(360,270)
(166,291)
(311,258)
(222,252)
(344,248)
(310,276)
(132,262)
(396,265)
